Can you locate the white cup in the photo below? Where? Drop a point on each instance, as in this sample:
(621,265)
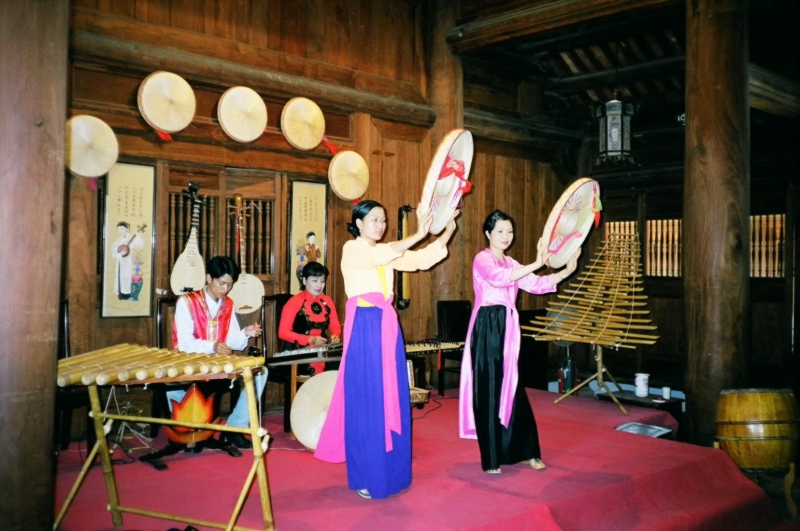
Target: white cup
(667,393)
(642,386)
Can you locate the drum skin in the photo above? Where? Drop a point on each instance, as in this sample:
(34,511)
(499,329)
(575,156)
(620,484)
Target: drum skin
(758,427)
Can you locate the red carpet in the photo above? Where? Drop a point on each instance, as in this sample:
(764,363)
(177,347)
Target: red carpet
(597,479)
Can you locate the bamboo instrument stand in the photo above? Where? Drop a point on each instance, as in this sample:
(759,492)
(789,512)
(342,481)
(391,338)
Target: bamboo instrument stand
(599,376)
(605,306)
(258,469)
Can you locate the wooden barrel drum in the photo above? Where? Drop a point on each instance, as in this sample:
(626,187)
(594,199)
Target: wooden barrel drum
(758,427)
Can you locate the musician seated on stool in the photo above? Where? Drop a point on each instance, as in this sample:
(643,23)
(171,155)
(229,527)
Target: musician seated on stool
(205,323)
(309,318)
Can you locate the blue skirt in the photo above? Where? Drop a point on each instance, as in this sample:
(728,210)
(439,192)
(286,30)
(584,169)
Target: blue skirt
(369,465)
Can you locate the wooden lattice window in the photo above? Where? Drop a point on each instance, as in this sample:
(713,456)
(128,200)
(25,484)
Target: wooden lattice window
(257,231)
(664,246)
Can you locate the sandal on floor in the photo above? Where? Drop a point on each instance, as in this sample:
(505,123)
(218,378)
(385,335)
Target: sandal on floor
(494,471)
(537,464)
(364,493)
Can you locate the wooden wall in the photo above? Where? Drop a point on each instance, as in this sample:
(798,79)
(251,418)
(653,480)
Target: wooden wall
(364,63)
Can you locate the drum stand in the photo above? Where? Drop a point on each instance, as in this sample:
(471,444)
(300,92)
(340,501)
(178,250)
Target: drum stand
(599,375)
(258,471)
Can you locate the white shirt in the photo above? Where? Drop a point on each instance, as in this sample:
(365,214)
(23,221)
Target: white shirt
(184,324)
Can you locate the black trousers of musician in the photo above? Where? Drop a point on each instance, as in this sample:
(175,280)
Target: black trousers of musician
(499,445)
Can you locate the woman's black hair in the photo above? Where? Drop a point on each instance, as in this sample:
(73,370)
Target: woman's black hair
(314,269)
(219,266)
(493,218)
(359,212)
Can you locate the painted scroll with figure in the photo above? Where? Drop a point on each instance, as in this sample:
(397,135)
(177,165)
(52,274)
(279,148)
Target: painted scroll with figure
(128,236)
(307,235)
(448,178)
(570,221)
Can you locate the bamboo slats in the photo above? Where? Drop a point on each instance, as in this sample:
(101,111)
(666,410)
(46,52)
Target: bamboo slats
(122,363)
(257,233)
(663,247)
(600,305)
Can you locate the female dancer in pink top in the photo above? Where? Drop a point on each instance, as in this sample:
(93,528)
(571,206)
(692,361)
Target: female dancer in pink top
(492,407)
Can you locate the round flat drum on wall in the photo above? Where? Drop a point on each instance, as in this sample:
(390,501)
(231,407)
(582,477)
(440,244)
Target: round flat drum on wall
(448,178)
(166,102)
(242,114)
(92,147)
(571,220)
(302,123)
(348,175)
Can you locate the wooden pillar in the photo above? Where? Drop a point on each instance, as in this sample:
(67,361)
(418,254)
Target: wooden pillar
(447,98)
(716,207)
(33,93)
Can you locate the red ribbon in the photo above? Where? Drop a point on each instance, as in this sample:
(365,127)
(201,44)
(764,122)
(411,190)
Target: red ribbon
(355,201)
(328,145)
(456,168)
(166,137)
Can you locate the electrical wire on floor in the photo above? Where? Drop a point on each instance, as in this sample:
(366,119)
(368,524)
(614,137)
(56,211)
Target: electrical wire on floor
(438,403)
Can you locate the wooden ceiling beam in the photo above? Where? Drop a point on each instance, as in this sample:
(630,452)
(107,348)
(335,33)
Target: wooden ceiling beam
(773,93)
(531,20)
(518,131)
(102,49)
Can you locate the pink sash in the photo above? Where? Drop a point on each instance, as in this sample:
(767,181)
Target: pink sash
(331,441)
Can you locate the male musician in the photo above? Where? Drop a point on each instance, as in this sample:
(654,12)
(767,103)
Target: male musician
(205,323)
(309,319)
(121,251)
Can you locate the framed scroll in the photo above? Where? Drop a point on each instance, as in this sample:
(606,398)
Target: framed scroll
(128,241)
(307,229)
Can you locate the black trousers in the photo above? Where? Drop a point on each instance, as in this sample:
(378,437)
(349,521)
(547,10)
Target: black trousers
(499,445)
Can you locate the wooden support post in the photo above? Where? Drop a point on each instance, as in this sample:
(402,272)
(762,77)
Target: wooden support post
(33,40)
(716,207)
(447,97)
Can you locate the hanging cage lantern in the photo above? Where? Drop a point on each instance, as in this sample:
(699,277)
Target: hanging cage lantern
(615,132)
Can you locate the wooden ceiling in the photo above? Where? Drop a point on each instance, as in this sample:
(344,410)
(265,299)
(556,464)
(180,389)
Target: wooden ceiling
(569,56)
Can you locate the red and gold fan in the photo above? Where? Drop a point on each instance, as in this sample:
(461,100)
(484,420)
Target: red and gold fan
(448,178)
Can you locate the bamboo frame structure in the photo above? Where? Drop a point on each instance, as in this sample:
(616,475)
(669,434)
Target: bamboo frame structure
(258,471)
(605,306)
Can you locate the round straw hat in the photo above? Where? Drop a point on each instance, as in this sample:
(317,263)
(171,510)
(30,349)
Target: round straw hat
(302,123)
(348,174)
(166,102)
(92,147)
(242,114)
(571,220)
(444,184)
(310,407)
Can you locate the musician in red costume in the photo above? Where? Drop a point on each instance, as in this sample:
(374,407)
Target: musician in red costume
(205,323)
(309,319)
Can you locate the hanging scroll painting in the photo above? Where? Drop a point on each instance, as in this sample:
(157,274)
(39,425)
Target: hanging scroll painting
(307,231)
(128,241)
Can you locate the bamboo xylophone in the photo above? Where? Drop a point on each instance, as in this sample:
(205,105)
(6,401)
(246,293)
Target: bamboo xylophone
(127,363)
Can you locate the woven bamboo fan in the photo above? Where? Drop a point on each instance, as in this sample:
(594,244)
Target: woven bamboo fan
(310,407)
(605,306)
(166,102)
(302,123)
(448,178)
(242,114)
(348,175)
(92,147)
(571,220)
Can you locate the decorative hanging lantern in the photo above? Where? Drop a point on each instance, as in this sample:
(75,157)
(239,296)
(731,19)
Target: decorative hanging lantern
(615,132)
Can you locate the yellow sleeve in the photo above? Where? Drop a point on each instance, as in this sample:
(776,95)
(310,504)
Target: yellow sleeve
(421,260)
(358,254)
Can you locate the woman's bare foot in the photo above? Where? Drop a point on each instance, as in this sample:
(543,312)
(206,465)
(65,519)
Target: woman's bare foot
(494,471)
